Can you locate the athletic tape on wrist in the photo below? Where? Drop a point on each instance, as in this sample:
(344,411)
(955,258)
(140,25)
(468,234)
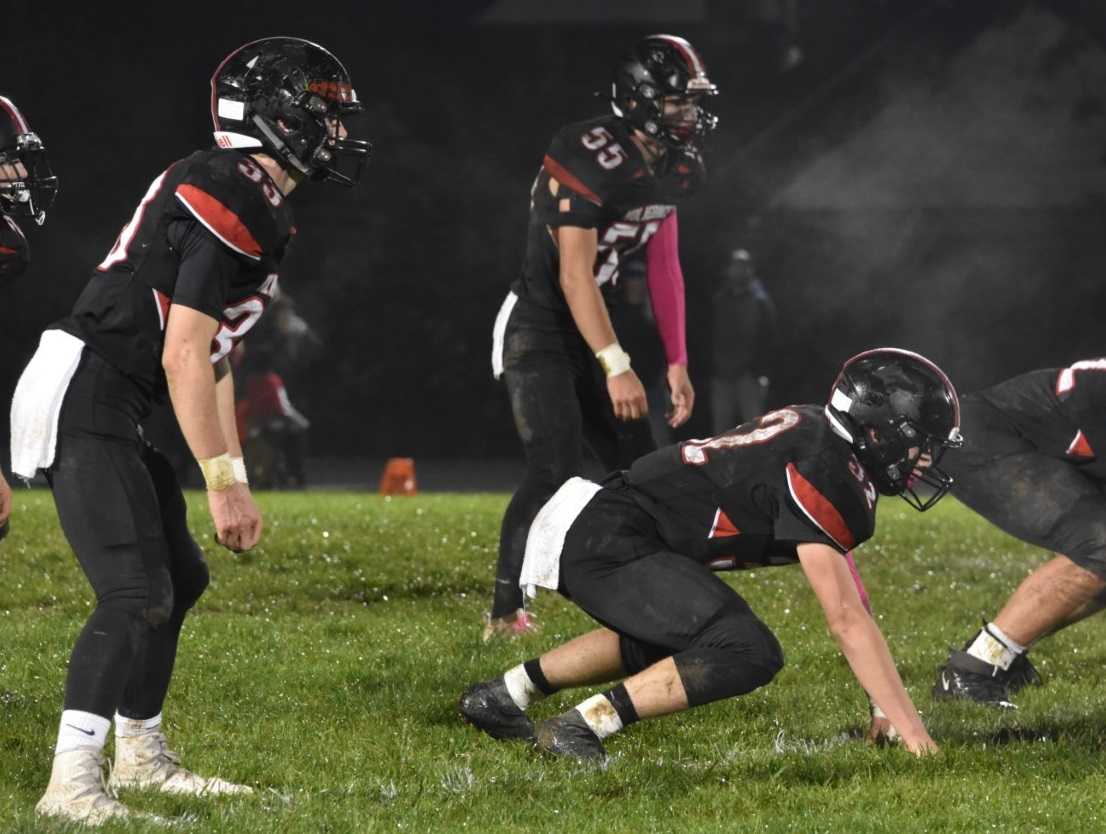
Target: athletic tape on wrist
(218,472)
(613,359)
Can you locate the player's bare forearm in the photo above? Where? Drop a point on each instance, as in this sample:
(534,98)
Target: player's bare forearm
(860,639)
(578,248)
(224,401)
(866,651)
(191,380)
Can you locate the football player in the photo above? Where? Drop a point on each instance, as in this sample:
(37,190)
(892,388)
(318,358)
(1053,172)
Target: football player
(637,551)
(606,187)
(27,188)
(1035,469)
(190,274)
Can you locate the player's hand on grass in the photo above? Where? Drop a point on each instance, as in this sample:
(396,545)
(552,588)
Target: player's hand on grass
(921,745)
(237,519)
(510,626)
(683,395)
(627,396)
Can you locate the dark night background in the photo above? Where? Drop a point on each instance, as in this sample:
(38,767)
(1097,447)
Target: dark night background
(930,176)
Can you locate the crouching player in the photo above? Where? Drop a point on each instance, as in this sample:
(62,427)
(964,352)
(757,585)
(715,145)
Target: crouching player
(637,553)
(1036,469)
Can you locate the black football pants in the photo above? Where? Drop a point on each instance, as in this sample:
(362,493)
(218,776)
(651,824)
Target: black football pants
(663,604)
(1032,496)
(123,513)
(559,399)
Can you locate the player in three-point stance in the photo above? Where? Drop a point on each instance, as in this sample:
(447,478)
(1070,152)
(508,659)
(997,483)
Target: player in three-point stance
(189,275)
(637,551)
(1036,469)
(607,187)
(27,188)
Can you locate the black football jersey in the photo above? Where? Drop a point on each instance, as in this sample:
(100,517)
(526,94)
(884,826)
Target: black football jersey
(15,254)
(604,184)
(1061,411)
(216,212)
(747,498)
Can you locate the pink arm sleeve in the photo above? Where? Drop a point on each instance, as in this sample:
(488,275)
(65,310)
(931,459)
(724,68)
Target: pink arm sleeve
(859,582)
(666,289)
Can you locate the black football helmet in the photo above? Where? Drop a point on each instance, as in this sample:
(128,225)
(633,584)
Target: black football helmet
(661,66)
(28,195)
(896,407)
(284,96)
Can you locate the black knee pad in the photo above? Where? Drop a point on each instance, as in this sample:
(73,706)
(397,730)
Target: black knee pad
(734,654)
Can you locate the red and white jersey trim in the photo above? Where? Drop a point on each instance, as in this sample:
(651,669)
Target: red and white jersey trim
(819,509)
(162,302)
(1066,380)
(722,526)
(219,220)
(1080,447)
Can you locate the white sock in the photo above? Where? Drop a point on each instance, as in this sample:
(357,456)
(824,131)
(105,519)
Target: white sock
(992,646)
(79,729)
(521,689)
(600,715)
(131,727)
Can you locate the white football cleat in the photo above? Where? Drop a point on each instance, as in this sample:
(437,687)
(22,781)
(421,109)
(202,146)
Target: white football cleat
(76,792)
(145,761)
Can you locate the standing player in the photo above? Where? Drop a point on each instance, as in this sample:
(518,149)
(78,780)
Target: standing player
(636,552)
(1036,469)
(189,275)
(606,187)
(27,188)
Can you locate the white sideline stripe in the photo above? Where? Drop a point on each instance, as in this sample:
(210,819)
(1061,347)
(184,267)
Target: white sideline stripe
(211,229)
(498,331)
(791,488)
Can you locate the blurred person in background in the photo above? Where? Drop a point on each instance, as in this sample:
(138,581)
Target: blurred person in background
(744,340)
(273,430)
(607,187)
(27,188)
(189,275)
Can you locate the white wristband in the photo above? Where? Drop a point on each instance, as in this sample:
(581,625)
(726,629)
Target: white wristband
(613,359)
(239,465)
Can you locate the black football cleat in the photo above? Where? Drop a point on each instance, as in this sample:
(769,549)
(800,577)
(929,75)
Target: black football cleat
(1021,674)
(972,679)
(569,735)
(488,707)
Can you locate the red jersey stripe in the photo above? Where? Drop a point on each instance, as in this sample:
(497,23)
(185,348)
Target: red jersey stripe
(819,509)
(562,175)
(219,220)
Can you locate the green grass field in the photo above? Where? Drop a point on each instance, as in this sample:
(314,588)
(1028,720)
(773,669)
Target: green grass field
(324,668)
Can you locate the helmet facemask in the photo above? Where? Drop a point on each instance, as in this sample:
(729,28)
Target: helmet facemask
(30,195)
(903,459)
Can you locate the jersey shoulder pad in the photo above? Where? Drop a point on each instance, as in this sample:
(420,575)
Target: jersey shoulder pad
(233,197)
(593,158)
(833,492)
(15,254)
